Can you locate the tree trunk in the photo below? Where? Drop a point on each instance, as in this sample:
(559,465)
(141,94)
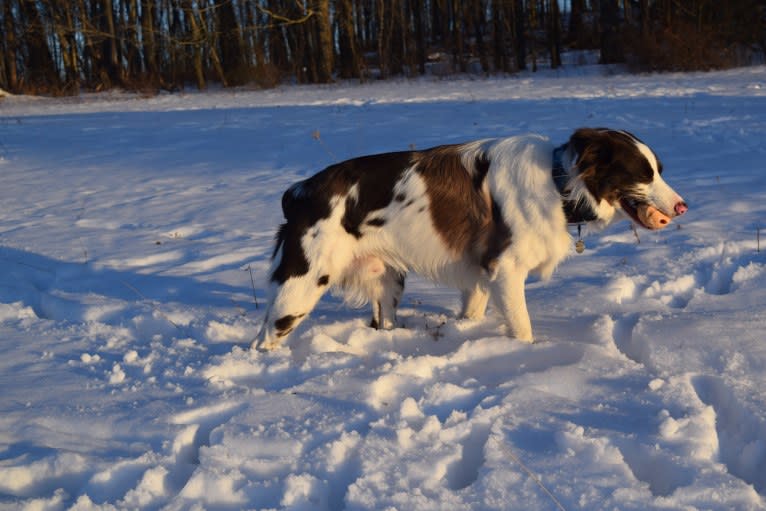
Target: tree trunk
(326,51)
(197,42)
(519,36)
(611,41)
(74,67)
(347,44)
(40,68)
(554,34)
(133,54)
(277,44)
(480,24)
(11,76)
(498,37)
(457,36)
(532,8)
(174,52)
(383,39)
(229,39)
(111,63)
(576,25)
(148,41)
(417,8)
(397,46)
(644,15)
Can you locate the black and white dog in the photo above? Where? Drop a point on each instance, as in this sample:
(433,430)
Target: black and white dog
(479,216)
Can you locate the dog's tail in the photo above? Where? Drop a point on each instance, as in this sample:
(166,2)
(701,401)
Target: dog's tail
(296,199)
(292,203)
(279,240)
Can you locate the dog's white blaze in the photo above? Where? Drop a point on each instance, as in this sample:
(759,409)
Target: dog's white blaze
(658,192)
(663,196)
(648,154)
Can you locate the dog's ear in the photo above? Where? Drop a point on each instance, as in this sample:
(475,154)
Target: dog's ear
(592,148)
(595,161)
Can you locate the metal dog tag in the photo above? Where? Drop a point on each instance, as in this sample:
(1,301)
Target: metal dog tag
(580,246)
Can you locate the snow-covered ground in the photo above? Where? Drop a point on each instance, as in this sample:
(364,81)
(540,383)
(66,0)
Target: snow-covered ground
(129,228)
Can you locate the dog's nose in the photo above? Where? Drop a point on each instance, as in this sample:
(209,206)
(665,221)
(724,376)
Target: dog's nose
(681,208)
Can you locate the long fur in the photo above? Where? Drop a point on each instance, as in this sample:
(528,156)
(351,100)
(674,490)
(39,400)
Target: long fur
(479,216)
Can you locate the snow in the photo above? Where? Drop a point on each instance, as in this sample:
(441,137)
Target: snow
(129,227)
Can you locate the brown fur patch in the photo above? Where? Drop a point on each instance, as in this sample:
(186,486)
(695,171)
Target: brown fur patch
(460,209)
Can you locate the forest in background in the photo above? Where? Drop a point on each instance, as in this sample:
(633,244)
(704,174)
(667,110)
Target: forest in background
(67,46)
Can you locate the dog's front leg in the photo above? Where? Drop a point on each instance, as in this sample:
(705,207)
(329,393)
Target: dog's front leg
(508,297)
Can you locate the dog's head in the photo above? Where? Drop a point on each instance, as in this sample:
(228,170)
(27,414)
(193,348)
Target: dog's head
(618,175)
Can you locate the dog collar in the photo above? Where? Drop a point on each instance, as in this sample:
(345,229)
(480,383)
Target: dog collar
(577,212)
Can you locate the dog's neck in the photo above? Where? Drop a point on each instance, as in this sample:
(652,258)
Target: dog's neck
(576,211)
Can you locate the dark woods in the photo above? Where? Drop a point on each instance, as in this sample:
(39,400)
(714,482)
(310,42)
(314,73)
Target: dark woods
(64,46)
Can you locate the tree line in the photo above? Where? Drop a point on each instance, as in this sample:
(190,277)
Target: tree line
(65,46)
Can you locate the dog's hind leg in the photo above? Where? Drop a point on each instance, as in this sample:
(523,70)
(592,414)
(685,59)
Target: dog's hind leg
(386,293)
(474,302)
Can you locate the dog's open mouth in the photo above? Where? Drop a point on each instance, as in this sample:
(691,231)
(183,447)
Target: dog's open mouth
(645,214)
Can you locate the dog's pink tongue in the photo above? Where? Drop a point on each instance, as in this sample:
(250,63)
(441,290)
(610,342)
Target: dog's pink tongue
(652,217)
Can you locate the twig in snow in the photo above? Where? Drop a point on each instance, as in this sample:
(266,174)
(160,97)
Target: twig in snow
(434,331)
(252,282)
(154,307)
(533,477)
(84,251)
(318,137)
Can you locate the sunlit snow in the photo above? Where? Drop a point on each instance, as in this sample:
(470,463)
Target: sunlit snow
(129,228)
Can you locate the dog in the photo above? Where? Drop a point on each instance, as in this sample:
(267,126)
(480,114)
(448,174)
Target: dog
(479,216)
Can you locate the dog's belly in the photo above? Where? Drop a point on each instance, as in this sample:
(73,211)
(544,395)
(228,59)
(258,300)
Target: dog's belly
(420,250)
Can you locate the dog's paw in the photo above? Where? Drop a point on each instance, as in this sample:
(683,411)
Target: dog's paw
(265,345)
(525,337)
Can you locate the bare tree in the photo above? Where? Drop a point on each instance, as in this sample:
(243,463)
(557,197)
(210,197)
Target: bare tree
(60,46)
(326,51)
(611,42)
(519,36)
(232,51)
(554,33)
(10,78)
